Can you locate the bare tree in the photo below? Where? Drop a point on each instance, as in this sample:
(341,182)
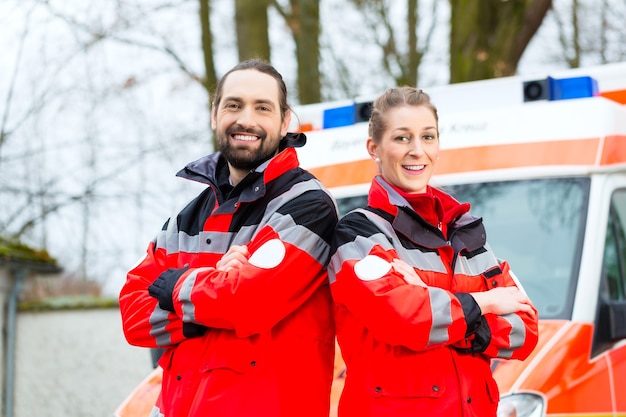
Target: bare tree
(572,49)
(400,60)
(5,130)
(251,22)
(210,78)
(590,32)
(488,37)
(76,133)
(209,81)
(303,20)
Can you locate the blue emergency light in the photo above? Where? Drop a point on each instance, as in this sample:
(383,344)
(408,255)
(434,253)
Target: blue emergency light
(347,115)
(338,116)
(577,87)
(560,89)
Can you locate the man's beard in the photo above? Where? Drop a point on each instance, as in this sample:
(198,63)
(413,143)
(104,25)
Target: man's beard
(243,158)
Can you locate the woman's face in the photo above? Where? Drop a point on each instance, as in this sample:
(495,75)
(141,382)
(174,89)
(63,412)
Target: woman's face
(409,149)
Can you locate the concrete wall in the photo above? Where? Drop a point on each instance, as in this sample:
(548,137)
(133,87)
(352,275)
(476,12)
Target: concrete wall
(74,364)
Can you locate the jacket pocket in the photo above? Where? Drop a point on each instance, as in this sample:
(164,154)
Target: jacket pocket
(224,350)
(234,379)
(492,389)
(400,372)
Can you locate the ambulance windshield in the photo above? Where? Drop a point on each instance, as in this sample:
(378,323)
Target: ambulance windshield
(537,226)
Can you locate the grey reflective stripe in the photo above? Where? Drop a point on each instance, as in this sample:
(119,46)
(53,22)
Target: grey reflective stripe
(427,261)
(243,236)
(168,238)
(175,241)
(294,192)
(158,321)
(288,230)
(156,412)
(300,236)
(394,197)
(355,250)
(212,242)
(441,312)
(476,265)
(516,337)
(440,302)
(184,296)
(171,238)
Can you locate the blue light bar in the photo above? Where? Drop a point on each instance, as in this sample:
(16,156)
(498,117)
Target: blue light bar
(339,116)
(560,89)
(577,87)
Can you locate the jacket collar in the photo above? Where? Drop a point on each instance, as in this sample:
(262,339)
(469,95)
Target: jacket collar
(204,170)
(407,222)
(382,196)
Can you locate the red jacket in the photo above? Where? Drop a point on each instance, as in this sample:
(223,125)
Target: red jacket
(254,341)
(412,350)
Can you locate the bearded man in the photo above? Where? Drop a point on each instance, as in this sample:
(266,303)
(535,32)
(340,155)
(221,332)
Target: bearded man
(234,287)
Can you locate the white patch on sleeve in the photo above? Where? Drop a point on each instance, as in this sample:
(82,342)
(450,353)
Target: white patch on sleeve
(269,255)
(371,268)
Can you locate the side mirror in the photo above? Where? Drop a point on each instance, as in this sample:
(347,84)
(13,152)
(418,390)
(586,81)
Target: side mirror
(616,315)
(610,324)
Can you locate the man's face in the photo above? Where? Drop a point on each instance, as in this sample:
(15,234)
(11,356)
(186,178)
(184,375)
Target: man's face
(247,121)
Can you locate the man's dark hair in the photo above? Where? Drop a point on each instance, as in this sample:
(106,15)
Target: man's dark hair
(265,68)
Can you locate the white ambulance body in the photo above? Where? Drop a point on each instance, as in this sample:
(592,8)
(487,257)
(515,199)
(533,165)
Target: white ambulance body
(543,161)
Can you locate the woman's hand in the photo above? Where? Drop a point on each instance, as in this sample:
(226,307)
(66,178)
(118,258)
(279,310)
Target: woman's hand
(503,300)
(233,258)
(407,272)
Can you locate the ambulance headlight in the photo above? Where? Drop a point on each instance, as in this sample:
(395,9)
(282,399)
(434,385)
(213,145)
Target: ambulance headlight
(521,405)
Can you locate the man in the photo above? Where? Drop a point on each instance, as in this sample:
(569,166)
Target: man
(234,286)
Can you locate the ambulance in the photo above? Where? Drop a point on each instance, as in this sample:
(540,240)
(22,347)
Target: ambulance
(543,160)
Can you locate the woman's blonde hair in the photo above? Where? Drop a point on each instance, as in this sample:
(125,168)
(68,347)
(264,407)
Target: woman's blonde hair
(394,97)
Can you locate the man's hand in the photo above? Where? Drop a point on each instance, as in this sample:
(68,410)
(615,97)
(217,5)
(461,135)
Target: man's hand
(163,287)
(233,258)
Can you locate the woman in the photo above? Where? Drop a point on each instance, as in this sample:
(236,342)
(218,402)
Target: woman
(421,302)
